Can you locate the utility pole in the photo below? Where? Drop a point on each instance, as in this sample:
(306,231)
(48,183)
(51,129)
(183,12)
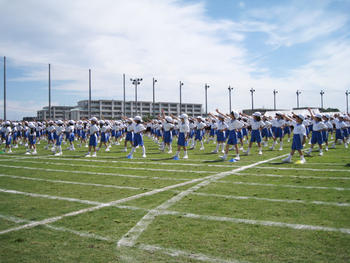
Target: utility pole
(154,102)
(206,87)
(298,93)
(180,84)
(274,99)
(229,96)
(252,93)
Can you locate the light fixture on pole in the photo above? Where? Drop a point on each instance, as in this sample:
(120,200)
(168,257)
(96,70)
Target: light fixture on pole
(298,93)
(206,86)
(321,93)
(153,105)
(229,96)
(4,88)
(252,93)
(274,99)
(180,84)
(49,91)
(89,106)
(136,82)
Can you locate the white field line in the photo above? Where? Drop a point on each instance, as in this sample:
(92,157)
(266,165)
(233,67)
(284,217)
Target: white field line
(258,222)
(90,209)
(287,186)
(130,238)
(82,159)
(291,201)
(116,167)
(295,176)
(186,254)
(62,229)
(96,173)
(69,182)
(304,169)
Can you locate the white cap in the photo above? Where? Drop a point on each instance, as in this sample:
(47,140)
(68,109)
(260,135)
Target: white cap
(71,122)
(31,125)
(7,123)
(221,116)
(59,122)
(168,119)
(318,116)
(235,114)
(101,122)
(137,118)
(327,115)
(183,116)
(279,113)
(257,114)
(94,119)
(301,116)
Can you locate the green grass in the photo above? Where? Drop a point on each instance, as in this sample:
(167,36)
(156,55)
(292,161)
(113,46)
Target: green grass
(177,237)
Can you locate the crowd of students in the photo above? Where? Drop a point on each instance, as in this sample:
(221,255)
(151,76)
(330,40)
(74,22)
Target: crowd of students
(227,131)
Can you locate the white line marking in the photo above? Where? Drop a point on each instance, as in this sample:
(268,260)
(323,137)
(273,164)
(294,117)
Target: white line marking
(90,209)
(182,253)
(62,229)
(115,167)
(95,173)
(304,169)
(273,200)
(260,222)
(288,186)
(50,197)
(295,176)
(82,159)
(69,182)
(130,238)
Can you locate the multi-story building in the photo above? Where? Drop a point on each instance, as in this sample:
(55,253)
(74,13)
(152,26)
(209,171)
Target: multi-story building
(114,109)
(57,112)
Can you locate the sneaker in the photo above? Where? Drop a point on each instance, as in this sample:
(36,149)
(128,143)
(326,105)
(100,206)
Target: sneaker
(10,151)
(223,157)
(34,153)
(333,146)
(326,149)
(260,153)
(185,156)
(223,151)
(108,150)
(125,150)
(215,151)
(272,148)
(287,160)
(201,149)
(280,149)
(144,156)
(58,154)
(88,155)
(27,153)
(93,155)
(238,158)
(302,161)
(129,156)
(320,154)
(170,151)
(241,149)
(346,145)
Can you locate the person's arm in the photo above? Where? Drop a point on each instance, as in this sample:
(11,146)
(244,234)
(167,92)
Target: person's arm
(311,113)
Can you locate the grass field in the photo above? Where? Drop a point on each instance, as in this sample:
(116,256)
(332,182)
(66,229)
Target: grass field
(112,209)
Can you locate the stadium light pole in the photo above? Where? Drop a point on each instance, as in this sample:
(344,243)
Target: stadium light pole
(252,92)
(321,93)
(4,88)
(89,105)
(49,91)
(206,87)
(124,95)
(154,102)
(136,82)
(298,93)
(229,96)
(274,99)
(180,84)
(347,101)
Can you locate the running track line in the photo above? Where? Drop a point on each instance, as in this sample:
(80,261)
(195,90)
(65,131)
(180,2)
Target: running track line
(130,238)
(295,176)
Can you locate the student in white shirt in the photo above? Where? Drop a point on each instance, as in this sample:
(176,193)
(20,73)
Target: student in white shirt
(182,141)
(256,124)
(168,126)
(317,128)
(8,136)
(278,125)
(138,140)
(93,131)
(220,133)
(59,137)
(199,131)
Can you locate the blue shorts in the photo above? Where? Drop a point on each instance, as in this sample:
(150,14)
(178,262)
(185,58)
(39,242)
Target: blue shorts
(256,136)
(159,133)
(297,142)
(339,134)
(212,132)
(83,135)
(244,132)
(264,133)
(181,140)
(345,132)
(325,136)
(191,133)
(220,136)
(168,138)
(32,139)
(286,130)
(198,135)
(104,137)
(93,140)
(8,140)
(138,139)
(113,133)
(59,139)
(278,132)
(232,138)
(129,137)
(71,137)
(316,137)
(239,134)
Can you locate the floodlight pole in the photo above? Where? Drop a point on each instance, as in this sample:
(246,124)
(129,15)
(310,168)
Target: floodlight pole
(298,93)
(4,88)
(135,82)
(89,94)
(229,96)
(274,99)
(49,91)
(347,101)
(252,93)
(124,95)
(180,84)
(206,87)
(153,105)
(321,93)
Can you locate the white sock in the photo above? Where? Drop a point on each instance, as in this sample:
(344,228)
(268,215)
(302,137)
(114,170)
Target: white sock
(143,150)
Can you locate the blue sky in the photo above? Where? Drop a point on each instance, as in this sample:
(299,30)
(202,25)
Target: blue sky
(283,45)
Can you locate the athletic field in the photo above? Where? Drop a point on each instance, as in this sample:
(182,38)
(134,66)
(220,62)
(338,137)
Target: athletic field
(112,209)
